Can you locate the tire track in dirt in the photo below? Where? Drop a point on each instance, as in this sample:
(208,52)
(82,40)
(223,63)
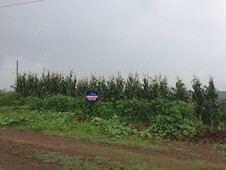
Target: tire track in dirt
(14,156)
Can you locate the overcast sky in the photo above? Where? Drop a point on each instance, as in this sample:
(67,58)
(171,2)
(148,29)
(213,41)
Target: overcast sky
(171,37)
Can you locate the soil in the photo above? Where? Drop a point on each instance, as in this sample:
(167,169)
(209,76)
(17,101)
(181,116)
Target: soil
(210,137)
(17,147)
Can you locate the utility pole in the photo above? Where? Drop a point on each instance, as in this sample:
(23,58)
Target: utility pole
(17,70)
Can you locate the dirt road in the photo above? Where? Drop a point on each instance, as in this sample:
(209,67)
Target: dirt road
(17,148)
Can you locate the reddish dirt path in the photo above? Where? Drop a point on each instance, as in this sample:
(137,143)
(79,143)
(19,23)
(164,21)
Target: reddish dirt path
(14,156)
(17,145)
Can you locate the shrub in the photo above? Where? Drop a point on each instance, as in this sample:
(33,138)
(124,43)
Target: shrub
(134,110)
(57,103)
(172,118)
(9,98)
(104,109)
(34,103)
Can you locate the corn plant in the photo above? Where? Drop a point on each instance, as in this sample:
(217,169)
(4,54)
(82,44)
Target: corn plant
(133,87)
(198,97)
(82,86)
(212,108)
(115,88)
(180,92)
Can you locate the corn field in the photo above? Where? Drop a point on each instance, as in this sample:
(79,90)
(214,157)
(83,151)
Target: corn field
(111,89)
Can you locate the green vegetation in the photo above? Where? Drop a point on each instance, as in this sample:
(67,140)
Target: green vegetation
(76,162)
(51,91)
(104,118)
(133,160)
(54,102)
(130,112)
(221,147)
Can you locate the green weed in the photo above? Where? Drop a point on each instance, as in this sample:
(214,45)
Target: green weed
(77,162)
(221,147)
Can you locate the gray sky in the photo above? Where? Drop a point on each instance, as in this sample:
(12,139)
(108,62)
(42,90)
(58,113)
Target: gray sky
(171,37)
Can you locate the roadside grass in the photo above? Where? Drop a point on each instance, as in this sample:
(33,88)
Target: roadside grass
(127,161)
(87,131)
(63,124)
(221,147)
(78,162)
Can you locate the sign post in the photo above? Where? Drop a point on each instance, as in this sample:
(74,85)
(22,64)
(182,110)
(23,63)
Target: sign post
(92,96)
